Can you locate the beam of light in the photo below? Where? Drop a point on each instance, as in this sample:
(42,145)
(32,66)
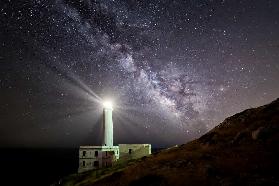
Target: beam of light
(143,109)
(73,80)
(125,128)
(78,113)
(130,118)
(82,85)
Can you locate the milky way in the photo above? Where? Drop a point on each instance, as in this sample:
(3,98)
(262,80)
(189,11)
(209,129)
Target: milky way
(174,69)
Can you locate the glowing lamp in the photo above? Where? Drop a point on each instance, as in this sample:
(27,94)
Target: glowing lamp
(107,104)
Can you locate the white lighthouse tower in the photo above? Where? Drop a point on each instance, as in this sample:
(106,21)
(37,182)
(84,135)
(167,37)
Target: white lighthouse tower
(107,124)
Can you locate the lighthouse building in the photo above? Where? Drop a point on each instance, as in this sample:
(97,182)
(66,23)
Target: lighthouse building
(95,157)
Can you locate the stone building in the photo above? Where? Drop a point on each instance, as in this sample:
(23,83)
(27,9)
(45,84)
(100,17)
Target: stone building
(134,151)
(95,157)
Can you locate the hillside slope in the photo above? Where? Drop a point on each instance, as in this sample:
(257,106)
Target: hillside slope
(242,150)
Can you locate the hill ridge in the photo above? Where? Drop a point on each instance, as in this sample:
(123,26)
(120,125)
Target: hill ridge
(241,150)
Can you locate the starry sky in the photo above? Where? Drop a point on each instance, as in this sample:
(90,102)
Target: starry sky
(173,69)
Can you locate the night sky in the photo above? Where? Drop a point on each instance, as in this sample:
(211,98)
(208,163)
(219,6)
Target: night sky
(173,69)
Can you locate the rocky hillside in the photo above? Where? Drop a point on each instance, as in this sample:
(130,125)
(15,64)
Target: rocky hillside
(242,150)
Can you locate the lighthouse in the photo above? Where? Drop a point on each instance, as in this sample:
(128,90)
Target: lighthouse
(107,124)
(96,157)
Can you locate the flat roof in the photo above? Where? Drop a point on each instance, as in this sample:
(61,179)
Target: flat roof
(97,147)
(134,144)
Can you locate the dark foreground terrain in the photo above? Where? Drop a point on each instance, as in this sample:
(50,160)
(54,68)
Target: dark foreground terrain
(242,150)
(36,166)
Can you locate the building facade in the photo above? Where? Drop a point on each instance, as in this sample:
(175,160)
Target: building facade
(134,151)
(95,157)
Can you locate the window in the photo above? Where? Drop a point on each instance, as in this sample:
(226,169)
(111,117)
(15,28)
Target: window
(130,151)
(96,153)
(96,163)
(83,153)
(83,163)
